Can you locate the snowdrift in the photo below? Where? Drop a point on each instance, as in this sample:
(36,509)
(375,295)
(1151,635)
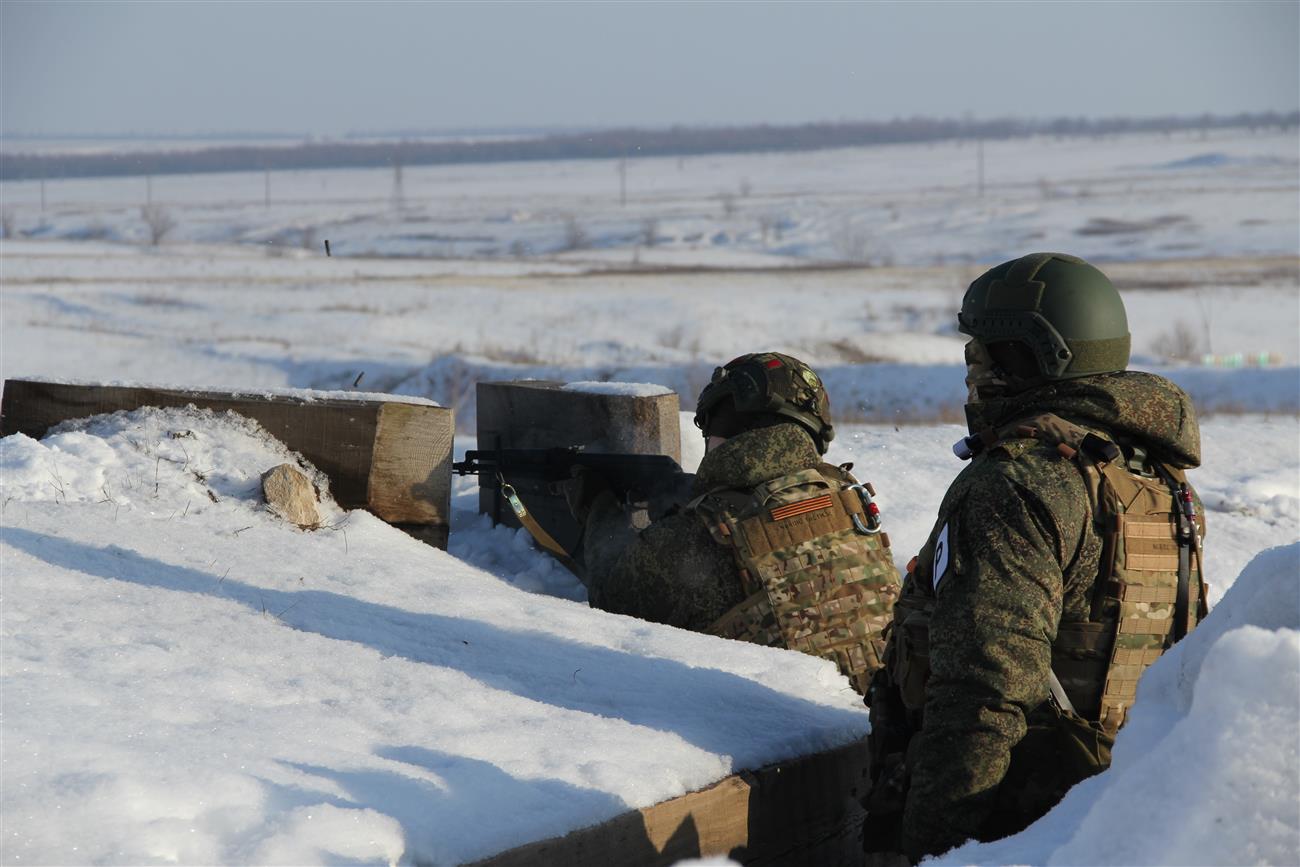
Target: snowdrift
(188,679)
(1207,769)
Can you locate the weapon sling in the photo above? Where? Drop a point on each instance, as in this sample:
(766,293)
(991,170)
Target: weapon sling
(536,530)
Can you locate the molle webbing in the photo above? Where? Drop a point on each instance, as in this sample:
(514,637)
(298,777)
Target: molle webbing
(1147,581)
(1150,563)
(792,524)
(814,583)
(1144,580)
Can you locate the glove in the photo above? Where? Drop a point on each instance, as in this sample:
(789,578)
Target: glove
(582,489)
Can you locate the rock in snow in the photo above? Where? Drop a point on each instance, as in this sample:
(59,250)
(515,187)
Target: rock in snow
(290,495)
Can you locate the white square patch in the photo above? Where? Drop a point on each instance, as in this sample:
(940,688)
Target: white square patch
(940,570)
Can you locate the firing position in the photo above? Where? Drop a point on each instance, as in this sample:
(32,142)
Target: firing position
(771,544)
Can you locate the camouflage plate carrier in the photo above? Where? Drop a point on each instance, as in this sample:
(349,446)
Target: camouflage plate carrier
(815,566)
(1149,593)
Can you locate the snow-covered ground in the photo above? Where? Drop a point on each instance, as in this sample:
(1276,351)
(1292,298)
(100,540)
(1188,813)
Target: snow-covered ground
(185,679)
(195,681)
(189,679)
(1120,197)
(884,339)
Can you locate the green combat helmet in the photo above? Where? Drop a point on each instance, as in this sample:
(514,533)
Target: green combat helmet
(767,384)
(1041,318)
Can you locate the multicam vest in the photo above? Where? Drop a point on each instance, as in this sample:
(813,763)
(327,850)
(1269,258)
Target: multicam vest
(1149,593)
(815,566)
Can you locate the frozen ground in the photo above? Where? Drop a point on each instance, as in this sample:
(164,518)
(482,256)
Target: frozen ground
(190,681)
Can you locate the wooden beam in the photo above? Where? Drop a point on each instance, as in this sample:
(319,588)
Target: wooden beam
(388,457)
(802,812)
(533,414)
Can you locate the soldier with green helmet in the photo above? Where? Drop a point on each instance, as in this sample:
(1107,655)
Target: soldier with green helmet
(771,544)
(1065,559)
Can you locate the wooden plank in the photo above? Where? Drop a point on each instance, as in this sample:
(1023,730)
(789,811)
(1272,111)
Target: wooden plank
(541,414)
(393,459)
(410,470)
(801,812)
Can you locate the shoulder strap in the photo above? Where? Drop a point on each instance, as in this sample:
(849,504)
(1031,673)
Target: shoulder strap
(1188,546)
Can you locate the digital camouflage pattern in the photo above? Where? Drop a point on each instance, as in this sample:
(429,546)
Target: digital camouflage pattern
(817,572)
(808,580)
(1012,559)
(672,571)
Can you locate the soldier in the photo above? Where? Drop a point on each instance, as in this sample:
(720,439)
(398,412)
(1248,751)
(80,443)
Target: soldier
(773,545)
(1064,561)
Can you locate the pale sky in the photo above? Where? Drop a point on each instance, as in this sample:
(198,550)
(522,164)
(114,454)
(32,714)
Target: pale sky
(328,68)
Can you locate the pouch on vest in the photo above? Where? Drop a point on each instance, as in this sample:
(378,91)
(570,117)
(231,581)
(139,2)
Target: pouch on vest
(1149,590)
(817,578)
(912,634)
(1059,749)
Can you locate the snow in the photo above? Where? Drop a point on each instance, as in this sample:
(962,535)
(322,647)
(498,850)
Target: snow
(622,389)
(198,681)
(1207,770)
(194,681)
(1111,198)
(306,395)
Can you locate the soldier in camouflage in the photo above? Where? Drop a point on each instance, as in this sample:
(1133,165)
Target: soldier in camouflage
(770,545)
(1016,591)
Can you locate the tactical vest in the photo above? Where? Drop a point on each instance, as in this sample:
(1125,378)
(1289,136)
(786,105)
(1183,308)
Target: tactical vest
(1147,595)
(815,567)
(1149,592)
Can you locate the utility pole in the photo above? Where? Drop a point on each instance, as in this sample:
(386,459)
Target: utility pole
(397,185)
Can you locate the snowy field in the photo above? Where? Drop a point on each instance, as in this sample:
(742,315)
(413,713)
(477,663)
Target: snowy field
(1120,197)
(188,680)
(884,339)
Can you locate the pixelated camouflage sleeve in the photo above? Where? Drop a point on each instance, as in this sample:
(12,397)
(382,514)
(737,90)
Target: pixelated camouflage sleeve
(998,603)
(670,572)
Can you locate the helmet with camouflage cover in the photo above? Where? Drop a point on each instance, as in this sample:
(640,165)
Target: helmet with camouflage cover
(765,386)
(1041,318)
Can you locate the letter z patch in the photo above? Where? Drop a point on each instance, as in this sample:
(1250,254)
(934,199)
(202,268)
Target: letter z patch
(941,558)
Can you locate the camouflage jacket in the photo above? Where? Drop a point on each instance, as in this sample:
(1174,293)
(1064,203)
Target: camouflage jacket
(672,571)
(1012,555)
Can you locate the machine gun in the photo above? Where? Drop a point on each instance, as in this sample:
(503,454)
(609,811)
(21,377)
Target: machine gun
(632,477)
(649,482)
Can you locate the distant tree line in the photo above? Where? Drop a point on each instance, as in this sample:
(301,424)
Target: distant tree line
(615,143)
